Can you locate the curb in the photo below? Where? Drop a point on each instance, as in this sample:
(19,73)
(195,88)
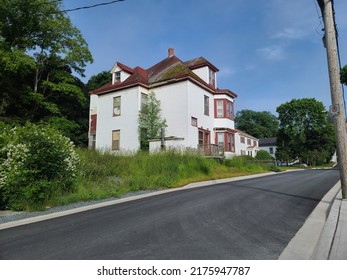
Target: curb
(44,217)
(324,246)
(314,238)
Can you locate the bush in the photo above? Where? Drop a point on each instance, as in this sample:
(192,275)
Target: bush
(36,164)
(263,155)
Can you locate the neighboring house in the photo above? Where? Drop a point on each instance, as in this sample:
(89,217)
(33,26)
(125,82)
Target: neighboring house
(198,114)
(269,145)
(246,144)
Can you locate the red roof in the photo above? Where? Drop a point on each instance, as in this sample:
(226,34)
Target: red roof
(169,70)
(125,68)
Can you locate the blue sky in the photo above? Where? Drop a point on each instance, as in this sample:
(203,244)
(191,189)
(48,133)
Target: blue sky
(268,52)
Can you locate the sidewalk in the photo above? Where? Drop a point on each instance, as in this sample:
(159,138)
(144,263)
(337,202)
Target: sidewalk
(333,241)
(324,234)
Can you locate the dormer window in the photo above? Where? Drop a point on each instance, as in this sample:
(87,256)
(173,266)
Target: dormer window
(212,77)
(117,76)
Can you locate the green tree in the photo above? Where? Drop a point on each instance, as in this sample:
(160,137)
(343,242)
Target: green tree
(305,134)
(150,120)
(98,80)
(343,75)
(39,51)
(258,124)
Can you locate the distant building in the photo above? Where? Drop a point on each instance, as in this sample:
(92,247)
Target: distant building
(269,145)
(246,144)
(198,114)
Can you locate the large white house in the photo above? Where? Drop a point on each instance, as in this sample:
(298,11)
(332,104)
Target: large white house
(198,114)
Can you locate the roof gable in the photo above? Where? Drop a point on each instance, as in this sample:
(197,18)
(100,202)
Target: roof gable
(170,69)
(200,62)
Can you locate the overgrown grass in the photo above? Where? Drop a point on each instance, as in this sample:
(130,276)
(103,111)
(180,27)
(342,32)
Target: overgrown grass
(104,175)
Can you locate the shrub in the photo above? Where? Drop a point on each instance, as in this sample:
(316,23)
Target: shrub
(36,163)
(263,155)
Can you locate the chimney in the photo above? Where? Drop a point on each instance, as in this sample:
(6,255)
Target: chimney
(171,52)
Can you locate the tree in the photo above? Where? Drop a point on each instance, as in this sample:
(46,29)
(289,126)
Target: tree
(39,51)
(305,134)
(258,124)
(150,121)
(343,75)
(98,80)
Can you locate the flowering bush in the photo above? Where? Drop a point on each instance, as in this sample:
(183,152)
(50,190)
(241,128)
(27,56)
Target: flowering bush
(36,163)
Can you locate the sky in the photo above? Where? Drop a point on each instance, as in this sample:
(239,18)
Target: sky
(267,52)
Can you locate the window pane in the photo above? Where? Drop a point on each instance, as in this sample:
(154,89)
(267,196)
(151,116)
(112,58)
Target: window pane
(206,105)
(220,111)
(144,99)
(117,76)
(220,138)
(116,106)
(115,139)
(194,121)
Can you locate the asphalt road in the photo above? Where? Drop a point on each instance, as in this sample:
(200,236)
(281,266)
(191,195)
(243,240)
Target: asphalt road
(248,219)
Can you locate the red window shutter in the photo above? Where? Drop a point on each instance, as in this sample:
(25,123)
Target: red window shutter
(93,119)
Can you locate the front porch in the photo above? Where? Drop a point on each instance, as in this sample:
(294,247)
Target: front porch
(211,150)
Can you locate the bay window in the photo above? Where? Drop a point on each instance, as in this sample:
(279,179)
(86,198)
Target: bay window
(224,109)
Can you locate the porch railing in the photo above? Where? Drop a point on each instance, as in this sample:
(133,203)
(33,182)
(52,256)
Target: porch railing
(211,150)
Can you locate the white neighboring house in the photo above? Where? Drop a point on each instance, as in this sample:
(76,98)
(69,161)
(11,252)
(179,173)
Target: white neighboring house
(198,114)
(269,145)
(246,144)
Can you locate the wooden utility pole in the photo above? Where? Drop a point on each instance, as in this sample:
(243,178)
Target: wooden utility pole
(337,110)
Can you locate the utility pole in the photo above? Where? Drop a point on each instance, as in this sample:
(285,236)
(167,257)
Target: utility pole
(337,110)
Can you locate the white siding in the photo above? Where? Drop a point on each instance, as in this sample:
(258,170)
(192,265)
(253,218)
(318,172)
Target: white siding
(127,122)
(204,74)
(174,106)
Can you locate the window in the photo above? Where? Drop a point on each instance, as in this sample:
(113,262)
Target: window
(271,150)
(229,109)
(144,99)
(194,121)
(201,137)
(220,111)
(117,76)
(93,141)
(249,142)
(230,142)
(243,140)
(212,77)
(226,140)
(220,139)
(224,109)
(116,106)
(206,105)
(255,143)
(115,140)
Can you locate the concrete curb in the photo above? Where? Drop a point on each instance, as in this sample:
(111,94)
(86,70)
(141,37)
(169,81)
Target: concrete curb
(323,248)
(303,245)
(44,217)
(339,245)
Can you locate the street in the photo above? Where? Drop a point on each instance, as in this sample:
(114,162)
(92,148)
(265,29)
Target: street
(248,219)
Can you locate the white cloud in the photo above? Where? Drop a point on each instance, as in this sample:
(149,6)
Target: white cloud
(290,33)
(226,72)
(274,52)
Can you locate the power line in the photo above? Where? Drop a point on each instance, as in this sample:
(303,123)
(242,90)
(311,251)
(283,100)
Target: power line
(91,6)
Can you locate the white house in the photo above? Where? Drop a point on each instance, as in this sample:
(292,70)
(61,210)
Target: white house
(198,114)
(246,144)
(269,145)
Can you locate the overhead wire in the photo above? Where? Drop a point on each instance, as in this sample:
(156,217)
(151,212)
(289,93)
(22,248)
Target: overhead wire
(91,6)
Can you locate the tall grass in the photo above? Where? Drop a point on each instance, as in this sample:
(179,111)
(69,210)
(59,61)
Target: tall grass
(104,174)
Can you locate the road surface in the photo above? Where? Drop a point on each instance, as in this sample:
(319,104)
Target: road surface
(247,219)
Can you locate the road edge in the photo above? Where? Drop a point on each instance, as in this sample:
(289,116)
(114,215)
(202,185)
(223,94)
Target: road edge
(314,238)
(115,201)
